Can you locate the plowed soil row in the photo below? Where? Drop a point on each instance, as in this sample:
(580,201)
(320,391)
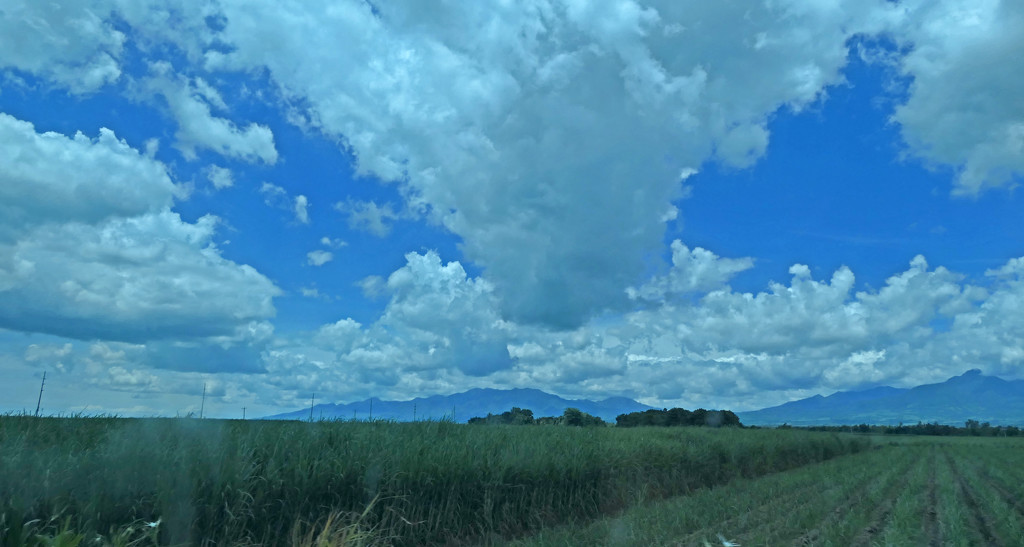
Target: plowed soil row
(815,483)
(931,513)
(816,506)
(880,517)
(1012,500)
(998,485)
(981,525)
(766,511)
(843,511)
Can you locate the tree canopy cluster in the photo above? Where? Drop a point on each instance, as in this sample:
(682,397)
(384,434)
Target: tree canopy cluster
(520,416)
(679,417)
(576,417)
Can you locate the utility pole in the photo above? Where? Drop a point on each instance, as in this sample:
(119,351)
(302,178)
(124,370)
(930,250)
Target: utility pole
(243,412)
(414,412)
(311,399)
(40,401)
(371,409)
(202,406)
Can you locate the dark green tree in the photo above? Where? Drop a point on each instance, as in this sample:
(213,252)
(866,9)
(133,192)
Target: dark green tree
(679,417)
(578,418)
(516,416)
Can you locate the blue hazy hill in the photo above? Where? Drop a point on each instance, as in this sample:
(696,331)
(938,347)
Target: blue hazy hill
(463,406)
(971,395)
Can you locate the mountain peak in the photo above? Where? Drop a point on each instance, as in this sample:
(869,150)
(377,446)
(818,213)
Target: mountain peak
(972,376)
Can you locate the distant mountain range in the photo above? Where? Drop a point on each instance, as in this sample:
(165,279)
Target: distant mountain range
(466,405)
(971,395)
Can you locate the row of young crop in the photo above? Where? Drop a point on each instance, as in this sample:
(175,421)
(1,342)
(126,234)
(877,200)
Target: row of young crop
(922,493)
(425,482)
(991,484)
(754,511)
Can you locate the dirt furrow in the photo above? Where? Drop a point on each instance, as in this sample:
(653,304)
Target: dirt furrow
(767,512)
(880,517)
(812,536)
(931,512)
(981,524)
(755,516)
(1000,488)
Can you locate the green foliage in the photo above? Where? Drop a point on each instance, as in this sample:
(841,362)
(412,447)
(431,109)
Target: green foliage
(679,417)
(577,418)
(257,482)
(516,416)
(971,428)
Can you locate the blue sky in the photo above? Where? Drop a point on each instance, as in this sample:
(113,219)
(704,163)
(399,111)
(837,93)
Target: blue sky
(683,203)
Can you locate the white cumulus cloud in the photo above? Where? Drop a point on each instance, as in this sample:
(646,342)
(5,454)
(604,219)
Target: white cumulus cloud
(693,271)
(964,107)
(277,197)
(439,328)
(551,144)
(442,330)
(72,44)
(333,243)
(368,216)
(49,177)
(89,247)
(220,177)
(191,104)
(301,208)
(319,258)
(554,138)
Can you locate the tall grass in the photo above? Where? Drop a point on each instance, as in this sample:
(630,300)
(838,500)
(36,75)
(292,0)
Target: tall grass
(255,482)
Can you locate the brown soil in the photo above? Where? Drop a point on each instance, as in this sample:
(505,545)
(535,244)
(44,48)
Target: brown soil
(931,512)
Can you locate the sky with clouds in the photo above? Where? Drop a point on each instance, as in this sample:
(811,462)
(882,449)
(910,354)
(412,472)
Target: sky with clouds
(717,204)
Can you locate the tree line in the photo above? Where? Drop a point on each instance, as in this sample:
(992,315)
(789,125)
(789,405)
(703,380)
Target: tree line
(524,416)
(577,418)
(669,417)
(971,428)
